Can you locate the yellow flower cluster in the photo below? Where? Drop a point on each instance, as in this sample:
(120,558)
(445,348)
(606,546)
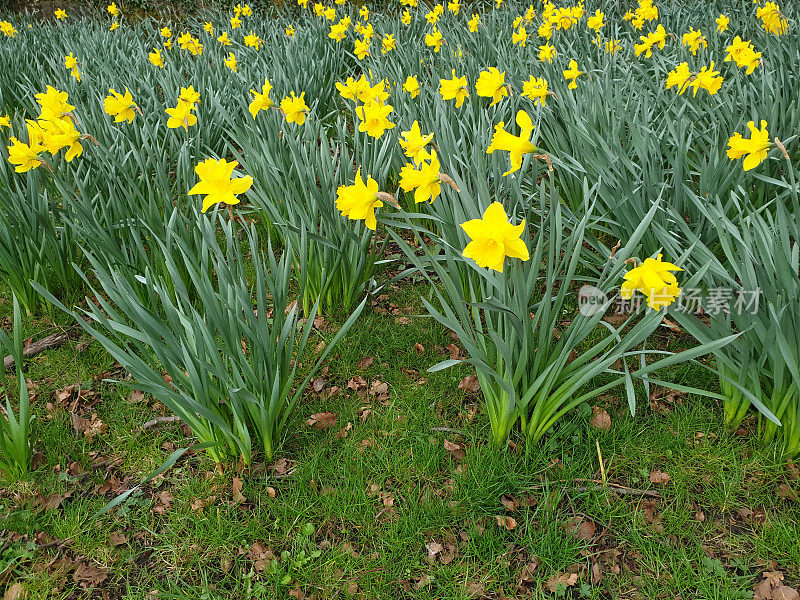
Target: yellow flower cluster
(52,131)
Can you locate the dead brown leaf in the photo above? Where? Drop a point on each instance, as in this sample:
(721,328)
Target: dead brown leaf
(506,521)
(600,419)
(322,420)
(661,477)
(580,528)
(561,579)
(88,576)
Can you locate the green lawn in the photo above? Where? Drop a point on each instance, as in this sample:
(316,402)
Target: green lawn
(401,496)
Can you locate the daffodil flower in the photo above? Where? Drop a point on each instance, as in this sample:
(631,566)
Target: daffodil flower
(494,238)
(218,184)
(754,149)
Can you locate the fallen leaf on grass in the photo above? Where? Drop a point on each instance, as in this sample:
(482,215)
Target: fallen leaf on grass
(136,397)
(365,362)
(657,476)
(580,528)
(433,549)
(88,576)
(17,591)
(470,384)
(507,522)
(322,420)
(600,419)
(117,538)
(561,581)
(771,588)
(237,485)
(52,502)
(163,503)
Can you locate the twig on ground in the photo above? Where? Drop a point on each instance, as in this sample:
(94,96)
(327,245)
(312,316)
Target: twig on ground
(51,341)
(447,430)
(159,421)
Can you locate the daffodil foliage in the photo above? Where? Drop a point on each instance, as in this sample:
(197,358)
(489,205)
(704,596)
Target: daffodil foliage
(336,127)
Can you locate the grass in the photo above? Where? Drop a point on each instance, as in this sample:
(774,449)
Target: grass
(383,493)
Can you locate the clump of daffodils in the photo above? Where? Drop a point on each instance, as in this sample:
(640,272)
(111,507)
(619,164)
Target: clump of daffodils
(182,115)
(743,54)
(424,178)
(53,131)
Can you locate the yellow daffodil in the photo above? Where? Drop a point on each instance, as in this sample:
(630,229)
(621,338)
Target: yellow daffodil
(290,31)
(23,156)
(434,39)
(654,279)
(388,43)
(156,58)
(493,238)
(7,29)
(491,84)
(722,23)
(231,63)
(411,86)
(425,180)
(743,54)
(62,134)
(209,27)
(547,53)
(694,39)
(535,89)
(413,143)
(406,18)
(165,32)
(515,145)
(181,115)
(772,19)
(679,76)
(572,74)
(519,37)
(473,23)
(373,116)
(236,22)
(294,108)
(112,9)
(595,22)
(5,121)
(359,201)
(361,49)
(189,95)
(453,6)
(253,41)
(261,101)
(754,149)
(651,40)
(707,79)
(120,106)
(60,14)
(454,89)
(224,39)
(71,63)
(218,184)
